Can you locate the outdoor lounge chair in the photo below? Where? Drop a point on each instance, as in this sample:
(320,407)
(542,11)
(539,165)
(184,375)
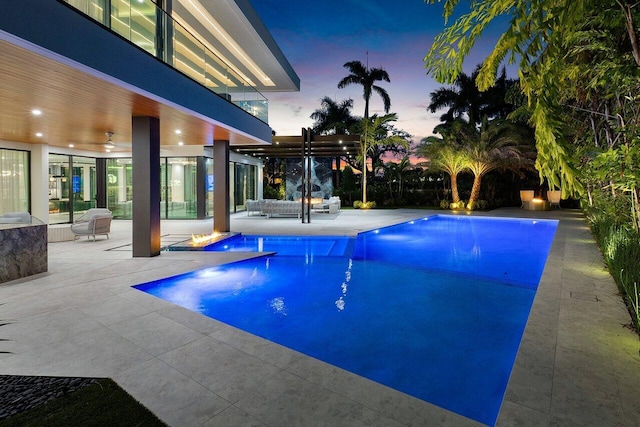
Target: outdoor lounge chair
(554,198)
(94,222)
(15,218)
(526,196)
(254,206)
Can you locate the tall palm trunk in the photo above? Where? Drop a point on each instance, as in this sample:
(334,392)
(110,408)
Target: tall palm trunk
(454,187)
(475,190)
(364,155)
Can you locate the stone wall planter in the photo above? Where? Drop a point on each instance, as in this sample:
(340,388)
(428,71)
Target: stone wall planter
(23,250)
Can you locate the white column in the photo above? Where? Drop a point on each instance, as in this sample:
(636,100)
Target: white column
(122,184)
(177,182)
(86,179)
(260,180)
(40,182)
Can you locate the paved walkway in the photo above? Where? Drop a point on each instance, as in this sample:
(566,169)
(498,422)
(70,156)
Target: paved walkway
(577,364)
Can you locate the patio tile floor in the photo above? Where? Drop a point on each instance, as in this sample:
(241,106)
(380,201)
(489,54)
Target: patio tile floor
(577,363)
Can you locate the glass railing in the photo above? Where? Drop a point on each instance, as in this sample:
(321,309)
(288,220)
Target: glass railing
(149,27)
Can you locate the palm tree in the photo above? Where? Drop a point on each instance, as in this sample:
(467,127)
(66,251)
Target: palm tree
(361,75)
(497,144)
(460,99)
(332,117)
(464,98)
(445,154)
(403,167)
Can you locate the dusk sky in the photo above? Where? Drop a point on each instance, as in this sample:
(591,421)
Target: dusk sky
(319,37)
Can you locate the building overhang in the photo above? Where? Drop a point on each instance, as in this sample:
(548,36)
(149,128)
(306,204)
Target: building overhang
(88,81)
(234,31)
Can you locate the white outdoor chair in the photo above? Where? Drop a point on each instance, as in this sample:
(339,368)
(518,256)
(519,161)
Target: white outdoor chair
(94,222)
(526,196)
(554,197)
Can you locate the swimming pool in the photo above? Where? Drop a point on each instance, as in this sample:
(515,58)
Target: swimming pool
(434,307)
(284,245)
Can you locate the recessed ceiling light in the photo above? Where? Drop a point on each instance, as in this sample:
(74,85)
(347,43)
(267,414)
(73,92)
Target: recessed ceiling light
(180,143)
(39,134)
(107,150)
(36,112)
(178,131)
(71,145)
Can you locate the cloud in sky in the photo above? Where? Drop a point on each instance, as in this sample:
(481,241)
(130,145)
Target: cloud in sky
(319,37)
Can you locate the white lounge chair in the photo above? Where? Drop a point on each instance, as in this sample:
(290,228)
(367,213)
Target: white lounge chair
(526,196)
(94,222)
(554,196)
(254,206)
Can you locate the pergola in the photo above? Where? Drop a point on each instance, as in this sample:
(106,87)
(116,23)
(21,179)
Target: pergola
(304,147)
(292,146)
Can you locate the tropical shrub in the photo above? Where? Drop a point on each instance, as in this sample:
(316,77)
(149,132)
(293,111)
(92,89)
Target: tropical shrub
(478,205)
(619,243)
(444,204)
(359,204)
(268,192)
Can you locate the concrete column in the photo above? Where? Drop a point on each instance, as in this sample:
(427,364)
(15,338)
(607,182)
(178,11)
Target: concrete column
(40,182)
(221,215)
(146,186)
(101,183)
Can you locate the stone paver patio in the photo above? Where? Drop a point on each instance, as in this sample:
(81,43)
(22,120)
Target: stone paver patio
(577,364)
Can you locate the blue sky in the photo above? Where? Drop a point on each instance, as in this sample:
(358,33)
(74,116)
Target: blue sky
(319,37)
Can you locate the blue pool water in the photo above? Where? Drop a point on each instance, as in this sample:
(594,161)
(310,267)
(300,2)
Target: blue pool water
(284,245)
(434,308)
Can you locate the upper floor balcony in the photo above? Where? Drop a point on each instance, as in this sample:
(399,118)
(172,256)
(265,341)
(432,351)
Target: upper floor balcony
(191,40)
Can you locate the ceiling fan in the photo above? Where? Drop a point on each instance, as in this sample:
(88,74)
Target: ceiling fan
(109,145)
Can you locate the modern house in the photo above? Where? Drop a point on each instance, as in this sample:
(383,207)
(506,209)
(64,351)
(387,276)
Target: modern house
(134,105)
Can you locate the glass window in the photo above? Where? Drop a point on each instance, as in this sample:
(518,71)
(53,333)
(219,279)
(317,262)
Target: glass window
(135,21)
(244,185)
(232,187)
(163,188)
(181,180)
(14,181)
(59,189)
(209,186)
(93,8)
(83,184)
(120,187)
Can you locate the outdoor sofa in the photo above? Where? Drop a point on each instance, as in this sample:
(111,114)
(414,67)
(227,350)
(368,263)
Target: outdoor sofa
(15,218)
(282,208)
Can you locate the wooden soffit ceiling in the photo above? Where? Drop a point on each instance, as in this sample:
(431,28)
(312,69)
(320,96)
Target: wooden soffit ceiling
(78,108)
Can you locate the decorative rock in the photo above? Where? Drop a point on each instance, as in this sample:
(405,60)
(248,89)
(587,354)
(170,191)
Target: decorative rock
(22,393)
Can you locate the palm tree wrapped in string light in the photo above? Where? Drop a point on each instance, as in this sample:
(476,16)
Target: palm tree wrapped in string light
(362,75)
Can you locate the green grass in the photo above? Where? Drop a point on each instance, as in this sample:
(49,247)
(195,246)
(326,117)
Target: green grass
(101,404)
